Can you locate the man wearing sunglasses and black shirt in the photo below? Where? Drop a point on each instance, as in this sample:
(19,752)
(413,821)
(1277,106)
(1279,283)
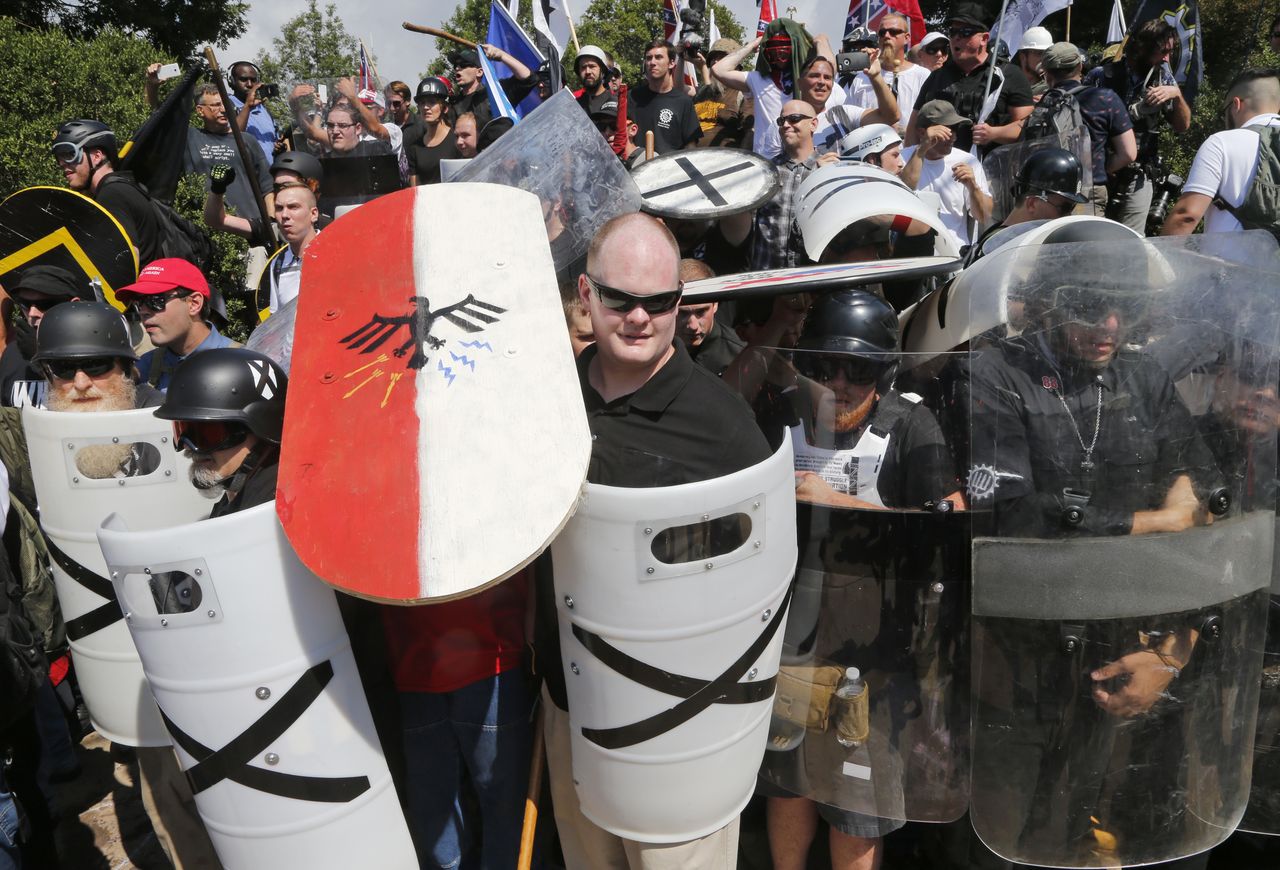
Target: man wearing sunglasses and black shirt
(962,81)
(656,419)
(171,298)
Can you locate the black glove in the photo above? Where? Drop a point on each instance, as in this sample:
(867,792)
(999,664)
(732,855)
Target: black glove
(220,178)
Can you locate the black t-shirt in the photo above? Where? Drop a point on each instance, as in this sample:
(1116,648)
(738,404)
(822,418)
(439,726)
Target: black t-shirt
(260,488)
(135,213)
(682,426)
(967,92)
(424,160)
(477,102)
(592,104)
(21,383)
(671,116)
(719,348)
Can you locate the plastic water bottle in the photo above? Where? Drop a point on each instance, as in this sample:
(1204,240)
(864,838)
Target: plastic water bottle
(853,723)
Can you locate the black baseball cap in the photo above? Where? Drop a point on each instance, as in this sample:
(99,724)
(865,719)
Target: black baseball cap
(51,281)
(463,58)
(972,14)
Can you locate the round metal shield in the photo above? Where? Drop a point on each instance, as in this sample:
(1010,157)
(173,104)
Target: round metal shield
(705,183)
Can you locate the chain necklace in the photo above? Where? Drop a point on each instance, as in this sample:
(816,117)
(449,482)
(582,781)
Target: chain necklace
(1086,464)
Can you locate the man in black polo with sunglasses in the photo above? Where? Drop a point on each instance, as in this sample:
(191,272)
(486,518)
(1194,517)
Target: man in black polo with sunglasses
(171,297)
(962,82)
(657,419)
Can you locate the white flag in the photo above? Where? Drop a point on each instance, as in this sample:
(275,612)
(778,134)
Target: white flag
(1117,28)
(542,10)
(1020,16)
(513,6)
(713,32)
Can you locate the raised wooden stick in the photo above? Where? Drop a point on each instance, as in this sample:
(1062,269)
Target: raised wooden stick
(530,827)
(443,34)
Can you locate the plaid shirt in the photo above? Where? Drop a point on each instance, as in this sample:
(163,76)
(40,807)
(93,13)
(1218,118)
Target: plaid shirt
(775,240)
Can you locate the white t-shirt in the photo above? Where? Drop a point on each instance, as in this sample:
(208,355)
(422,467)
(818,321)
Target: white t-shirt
(769,100)
(834,122)
(909,82)
(285,279)
(936,176)
(1225,166)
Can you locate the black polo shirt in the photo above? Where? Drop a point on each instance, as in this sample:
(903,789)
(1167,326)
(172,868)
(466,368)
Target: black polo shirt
(682,426)
(967,91)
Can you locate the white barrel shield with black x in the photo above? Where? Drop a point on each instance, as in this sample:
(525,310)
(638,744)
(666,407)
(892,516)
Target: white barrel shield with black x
(252,668)
(671,602)
(86,467)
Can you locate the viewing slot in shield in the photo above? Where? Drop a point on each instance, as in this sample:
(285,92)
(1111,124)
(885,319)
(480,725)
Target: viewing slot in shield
(1121,484)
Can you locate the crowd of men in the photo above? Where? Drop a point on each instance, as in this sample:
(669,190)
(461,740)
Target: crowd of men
(916,120)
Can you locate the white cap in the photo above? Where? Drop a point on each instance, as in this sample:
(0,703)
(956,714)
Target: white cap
(1037,38)
(852,674)
(861,142)
(931,37)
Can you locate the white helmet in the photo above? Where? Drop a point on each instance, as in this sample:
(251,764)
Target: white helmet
(862,142)
(835,197)
(1037,39)
(596,53)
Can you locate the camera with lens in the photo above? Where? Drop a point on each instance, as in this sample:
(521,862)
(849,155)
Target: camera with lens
(1165,188)
(268,92)
(691,24)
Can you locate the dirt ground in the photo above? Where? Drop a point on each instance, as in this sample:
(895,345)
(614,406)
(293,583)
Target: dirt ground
(103,824)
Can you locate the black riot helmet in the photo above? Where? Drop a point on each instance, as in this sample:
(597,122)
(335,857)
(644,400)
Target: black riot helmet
(1050,170)
(300,164)
(856,323)
(231,385)
(74,137)
(80,330)
(432,86)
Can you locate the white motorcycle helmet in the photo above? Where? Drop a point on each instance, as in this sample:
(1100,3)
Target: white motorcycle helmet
(862,142)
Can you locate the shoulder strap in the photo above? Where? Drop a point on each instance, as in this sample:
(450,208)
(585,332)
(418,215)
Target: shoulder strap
(891,411)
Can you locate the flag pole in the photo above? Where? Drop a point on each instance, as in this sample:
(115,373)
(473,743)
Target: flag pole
(377,76)
(993,51)
(1067,38)
(573,32)
(241,148)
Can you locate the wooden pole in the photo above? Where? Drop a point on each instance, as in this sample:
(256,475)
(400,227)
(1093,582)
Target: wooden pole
(249,174)
(1067,38)
(648,144)
(536,766)
(442,34)
(573,32)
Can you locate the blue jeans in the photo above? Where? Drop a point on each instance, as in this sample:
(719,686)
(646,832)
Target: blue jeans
(10,852)
(481,732)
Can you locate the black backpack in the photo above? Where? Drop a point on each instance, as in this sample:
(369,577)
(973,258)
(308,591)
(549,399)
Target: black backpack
(1260,208)
(1057,112)
(22,662)
(180,237)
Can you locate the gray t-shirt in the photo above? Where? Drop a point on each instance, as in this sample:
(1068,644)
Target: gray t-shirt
(206,150)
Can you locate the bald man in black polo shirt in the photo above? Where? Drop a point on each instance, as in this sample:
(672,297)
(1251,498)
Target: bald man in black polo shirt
(656,419)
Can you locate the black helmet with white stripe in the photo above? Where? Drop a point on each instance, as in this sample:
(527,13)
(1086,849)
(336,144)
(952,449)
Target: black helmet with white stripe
(232,385)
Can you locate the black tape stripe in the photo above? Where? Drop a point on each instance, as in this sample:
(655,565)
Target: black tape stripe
(699,179)
(105,614)
(100,617)
(665,681)
(646,729)
(231,761)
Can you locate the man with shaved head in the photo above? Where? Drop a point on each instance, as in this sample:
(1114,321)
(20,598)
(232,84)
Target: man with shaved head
(1227,162)
(656,419)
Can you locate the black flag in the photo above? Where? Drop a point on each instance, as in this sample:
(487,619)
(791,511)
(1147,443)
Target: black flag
(1184,17)
(154,155)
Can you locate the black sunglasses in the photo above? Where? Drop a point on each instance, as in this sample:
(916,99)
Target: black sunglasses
(856,370)
(964,32)
(793,119)
(41,305)
(936,48)
(206,436)
(889,31)
(155,302)
(623,302)
(66,369)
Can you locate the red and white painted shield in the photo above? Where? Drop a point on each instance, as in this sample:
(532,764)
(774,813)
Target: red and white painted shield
(435,438)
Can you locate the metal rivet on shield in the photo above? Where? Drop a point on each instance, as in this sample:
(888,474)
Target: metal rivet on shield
(164,622)
(75,480)
(70,446)
(332,314)
(573,666)
(198,572)
(648,570)
(212,614)
(115,575)
(129,616)
(756,545)
(709,565)
(706,517)
(568,601)
(937,587)
(751,674)
(263,693)
(755,506)
(146,570)
(164,439)
(764,617)
(500,264)
(648,531)
(510,352)
(328,378)
(168,474)
(115,440)
(120,481)
(271,758)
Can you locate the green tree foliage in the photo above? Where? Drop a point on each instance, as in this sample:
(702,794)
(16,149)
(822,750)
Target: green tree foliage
(471,21)
(47,77)
(177,27)
(623,27)
(312,45)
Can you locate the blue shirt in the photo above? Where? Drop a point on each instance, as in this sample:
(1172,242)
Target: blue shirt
(170,362)
(1106,115)
(262,127)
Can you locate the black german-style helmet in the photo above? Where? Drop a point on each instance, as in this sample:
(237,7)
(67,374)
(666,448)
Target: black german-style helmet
(78,330)
(1050,170)
(854,323)
(232,385)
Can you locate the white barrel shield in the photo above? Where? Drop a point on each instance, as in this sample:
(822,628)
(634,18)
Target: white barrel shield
(86,467)
(254,674)
(671,602)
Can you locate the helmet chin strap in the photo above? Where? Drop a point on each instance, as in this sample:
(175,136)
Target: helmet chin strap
(261,452)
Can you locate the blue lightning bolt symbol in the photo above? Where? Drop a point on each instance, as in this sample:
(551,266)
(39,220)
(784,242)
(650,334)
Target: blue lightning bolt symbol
(448,372)
(469,363)
(478,344)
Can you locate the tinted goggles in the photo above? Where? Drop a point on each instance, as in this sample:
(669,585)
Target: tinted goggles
(66,369)
(823,367)
(206,436)
(68,153)
(624,303)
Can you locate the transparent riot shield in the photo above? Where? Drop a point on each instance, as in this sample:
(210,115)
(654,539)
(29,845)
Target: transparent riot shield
(1003,163)
(1121,485)
(1263,813)
(871,711)
(558,154)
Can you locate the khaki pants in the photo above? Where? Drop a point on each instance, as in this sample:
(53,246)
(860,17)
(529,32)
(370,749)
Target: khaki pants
(167,798)
(587,846)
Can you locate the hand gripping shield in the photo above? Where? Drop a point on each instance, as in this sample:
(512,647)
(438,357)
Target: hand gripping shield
(671,602)
(1120,475)
(85,467)
(254,675)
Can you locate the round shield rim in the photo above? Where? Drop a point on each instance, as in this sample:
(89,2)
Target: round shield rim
(761,163)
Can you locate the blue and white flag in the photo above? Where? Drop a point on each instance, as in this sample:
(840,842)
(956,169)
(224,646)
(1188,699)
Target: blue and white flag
(508,35)
(498,100)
